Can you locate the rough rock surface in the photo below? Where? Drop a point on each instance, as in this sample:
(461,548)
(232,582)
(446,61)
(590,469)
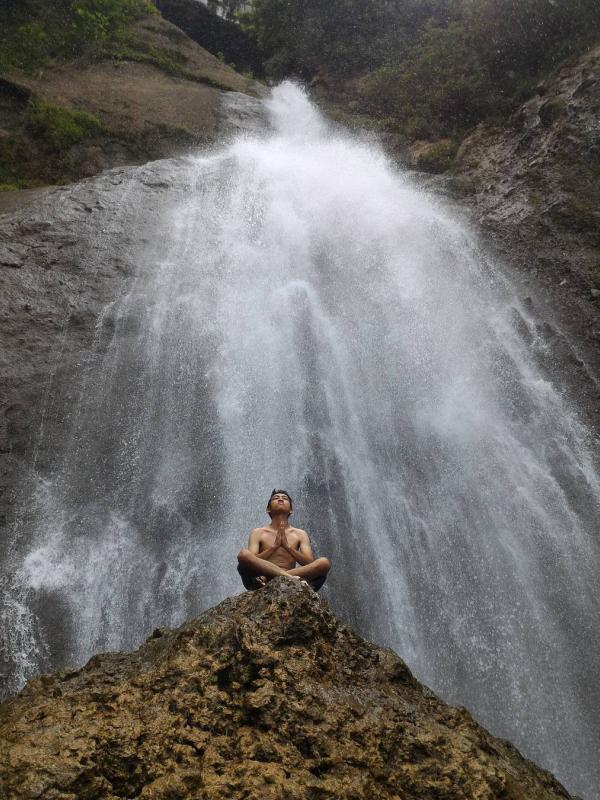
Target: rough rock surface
(265,696)
(66,253)
(59,267)
(532,186)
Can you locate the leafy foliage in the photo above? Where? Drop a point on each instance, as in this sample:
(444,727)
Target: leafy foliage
(34,32)
(428,67)
(58,128)
(35,151)
(303,36)
(440,86)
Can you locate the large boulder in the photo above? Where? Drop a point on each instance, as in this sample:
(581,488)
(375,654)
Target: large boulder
(265,696)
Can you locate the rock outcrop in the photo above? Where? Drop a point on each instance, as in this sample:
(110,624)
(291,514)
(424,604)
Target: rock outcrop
(532,186)
(65,255)
(265,696)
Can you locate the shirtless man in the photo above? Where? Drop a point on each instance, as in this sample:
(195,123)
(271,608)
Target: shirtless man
(275,549)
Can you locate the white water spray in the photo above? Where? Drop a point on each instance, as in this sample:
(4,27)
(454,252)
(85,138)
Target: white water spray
(305,317)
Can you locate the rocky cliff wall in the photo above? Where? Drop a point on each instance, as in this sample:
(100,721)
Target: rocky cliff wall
(532,188)
(63,255)
(265,697)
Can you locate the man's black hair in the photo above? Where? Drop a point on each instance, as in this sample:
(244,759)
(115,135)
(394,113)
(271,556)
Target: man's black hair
(280,491)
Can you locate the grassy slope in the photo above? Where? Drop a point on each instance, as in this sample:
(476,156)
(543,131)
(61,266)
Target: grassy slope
(47,131)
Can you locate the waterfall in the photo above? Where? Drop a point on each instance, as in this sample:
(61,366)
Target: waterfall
(303,315)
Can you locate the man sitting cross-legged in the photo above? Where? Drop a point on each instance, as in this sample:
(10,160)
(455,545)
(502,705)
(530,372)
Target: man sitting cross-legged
(275,549)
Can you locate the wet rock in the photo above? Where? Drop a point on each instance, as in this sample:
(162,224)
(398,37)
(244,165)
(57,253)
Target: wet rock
(266,696)
(58,273)
(12,255)
(537,198)
(66,257)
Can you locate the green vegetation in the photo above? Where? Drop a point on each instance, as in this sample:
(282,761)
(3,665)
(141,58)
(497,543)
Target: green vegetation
(430,68)
(439,88)
(34,33)
(346,37)
(38,140)
(437,157)
(34,152)
(427,69)
(173,62)
(58,128)
(131,48)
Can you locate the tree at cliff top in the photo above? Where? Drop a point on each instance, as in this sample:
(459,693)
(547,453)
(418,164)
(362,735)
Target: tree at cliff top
(479,66)
(265,697)
(430,68)
(345,37)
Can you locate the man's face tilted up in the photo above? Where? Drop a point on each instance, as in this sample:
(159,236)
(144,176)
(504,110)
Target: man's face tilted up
(279,503)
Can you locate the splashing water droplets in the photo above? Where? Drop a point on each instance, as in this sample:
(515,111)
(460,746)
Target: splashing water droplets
(304,316)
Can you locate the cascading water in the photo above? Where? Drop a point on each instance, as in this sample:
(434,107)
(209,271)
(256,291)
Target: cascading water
(304,316)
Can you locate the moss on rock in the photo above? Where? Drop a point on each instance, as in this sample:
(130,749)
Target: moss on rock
(435,157)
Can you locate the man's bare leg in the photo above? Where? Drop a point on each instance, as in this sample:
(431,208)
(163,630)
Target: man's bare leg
(309,572)
(258,566)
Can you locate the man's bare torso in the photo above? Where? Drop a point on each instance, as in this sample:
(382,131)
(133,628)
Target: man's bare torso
(282,558)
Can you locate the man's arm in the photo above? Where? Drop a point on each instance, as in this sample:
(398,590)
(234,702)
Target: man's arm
(254,545)
(304,554)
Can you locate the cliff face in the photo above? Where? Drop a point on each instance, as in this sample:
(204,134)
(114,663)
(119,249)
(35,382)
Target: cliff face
(265,696)
(532,187)
(59,267)
(213,31)
(66,254)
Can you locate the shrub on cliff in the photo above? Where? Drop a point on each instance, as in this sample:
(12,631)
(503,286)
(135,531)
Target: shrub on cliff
(33,33)
(440,87)
(521,37)
(57,128)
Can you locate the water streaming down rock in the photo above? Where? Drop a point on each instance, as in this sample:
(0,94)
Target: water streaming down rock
(304,316)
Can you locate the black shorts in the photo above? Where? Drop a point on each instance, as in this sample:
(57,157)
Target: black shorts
(252,583)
